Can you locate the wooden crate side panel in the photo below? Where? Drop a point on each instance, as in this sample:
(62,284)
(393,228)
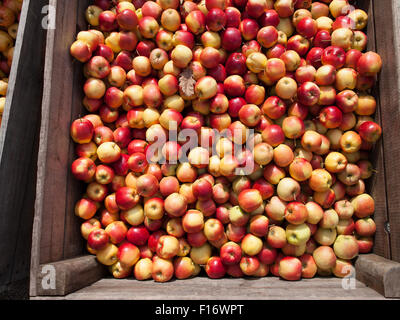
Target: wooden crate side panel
(18,145)
(66,276)
(56,142)
(73,241)
(56,234)
(387,17)
(377,183)
(50,204)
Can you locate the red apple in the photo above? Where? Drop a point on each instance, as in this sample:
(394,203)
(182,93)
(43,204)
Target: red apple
(215,269)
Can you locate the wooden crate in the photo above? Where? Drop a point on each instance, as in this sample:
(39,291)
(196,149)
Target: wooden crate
(56,238)
(19,136)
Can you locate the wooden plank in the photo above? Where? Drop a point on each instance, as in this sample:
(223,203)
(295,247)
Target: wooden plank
(18,148)
(200,288)
(376,185)
(74,244)
(387,17)
(52,171)
(381,274)
(55,144)
(68,275)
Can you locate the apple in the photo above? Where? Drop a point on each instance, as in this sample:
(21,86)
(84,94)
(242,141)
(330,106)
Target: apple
(293,127)
(128,254)
(286,88)
(370,131)
(81,51)
(134,216)
(297,234)
(249,265)
(335,56)
(300,14)
(335,162)
(250,200)
(290,268)
(365,227)
(369,64)
(234,232)
(305,74)
(267,36)
(255,8)
(209,57)
(238,216)
(345,226)
(142,269)
(320,180)
(269,18)
(285,8)
(196,22)
(184,247)
(322,40)
(350,175)
(154,208)
(276,237)
(168,247)
(107,255)
(365,244)
(117,231)
(346,247)
(311,141)
(359,18)
(201,254)
(249,29)
(296,213)
(324,257)
(183,267)
(274,107)
(307,27)
(82,131)
(193,221)
(308,93)
(83,169)
(162,270)
(315,212)
(234,86)
(173,226)
(213,229)
(175,205)
(288,189)
(283,155)
(98,239)
(273,135)
(126,198)
(216,19)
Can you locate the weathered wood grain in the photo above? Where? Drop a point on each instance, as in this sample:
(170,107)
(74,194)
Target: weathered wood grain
(69,275)
(381,274)
(376,185)
(387,17)
(202,288)
(50,205)
(73,242)
(18,147)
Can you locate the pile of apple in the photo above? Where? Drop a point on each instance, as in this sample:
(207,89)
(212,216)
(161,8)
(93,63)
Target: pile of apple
(10,11)
(277,93)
